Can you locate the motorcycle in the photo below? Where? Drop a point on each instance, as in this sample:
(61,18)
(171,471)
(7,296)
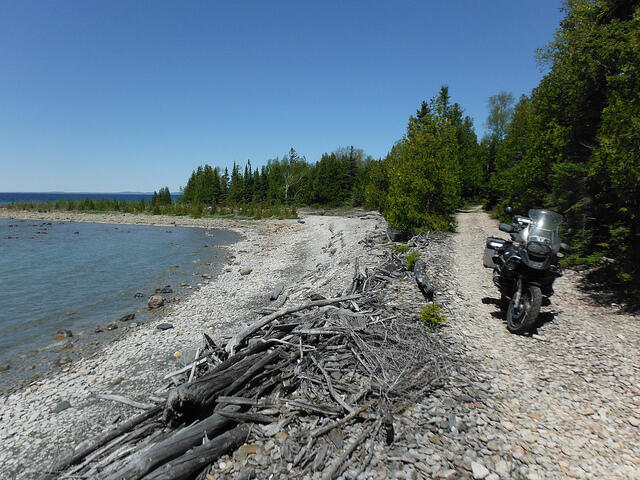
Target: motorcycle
(525,267)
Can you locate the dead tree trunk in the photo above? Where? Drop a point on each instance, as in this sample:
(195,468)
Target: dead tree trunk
(177,444)
(194,461)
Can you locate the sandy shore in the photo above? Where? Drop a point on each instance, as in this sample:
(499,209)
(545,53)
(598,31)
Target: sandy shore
(313,255)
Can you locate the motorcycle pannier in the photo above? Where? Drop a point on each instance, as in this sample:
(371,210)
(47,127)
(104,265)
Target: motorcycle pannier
(492,245)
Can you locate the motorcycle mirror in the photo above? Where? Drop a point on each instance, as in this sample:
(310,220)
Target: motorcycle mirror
(508,210)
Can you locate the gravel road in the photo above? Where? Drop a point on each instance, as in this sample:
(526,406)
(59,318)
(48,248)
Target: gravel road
(563,403)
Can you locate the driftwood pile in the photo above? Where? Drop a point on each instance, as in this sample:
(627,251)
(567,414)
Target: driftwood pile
(321,380)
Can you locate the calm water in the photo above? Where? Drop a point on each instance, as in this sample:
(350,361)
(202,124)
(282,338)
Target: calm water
(78,276)
(6,198)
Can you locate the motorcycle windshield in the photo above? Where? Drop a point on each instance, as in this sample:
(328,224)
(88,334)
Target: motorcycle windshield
(544,228)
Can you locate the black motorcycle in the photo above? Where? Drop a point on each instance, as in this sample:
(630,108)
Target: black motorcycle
(525,267)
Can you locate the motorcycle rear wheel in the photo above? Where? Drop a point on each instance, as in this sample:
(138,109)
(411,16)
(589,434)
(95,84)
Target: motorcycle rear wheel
(523,320)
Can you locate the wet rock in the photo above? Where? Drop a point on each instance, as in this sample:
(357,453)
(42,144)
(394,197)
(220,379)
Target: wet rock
(129,316)
(138,295)
(155,301)
(164,326)
(99,330)
(112,326)
(63,334)
(4,367)
(61,406)
(277,291)
(63,361)
(166,289)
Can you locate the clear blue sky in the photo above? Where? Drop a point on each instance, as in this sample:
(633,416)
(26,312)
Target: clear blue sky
(113,96)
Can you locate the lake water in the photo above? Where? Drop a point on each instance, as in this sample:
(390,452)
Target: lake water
(78,276)
(53,197)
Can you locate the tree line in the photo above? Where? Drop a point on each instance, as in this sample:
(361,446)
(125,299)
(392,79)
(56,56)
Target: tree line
(573,144)
(338,178)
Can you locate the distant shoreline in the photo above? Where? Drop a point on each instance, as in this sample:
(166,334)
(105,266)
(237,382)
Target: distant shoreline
(236,224)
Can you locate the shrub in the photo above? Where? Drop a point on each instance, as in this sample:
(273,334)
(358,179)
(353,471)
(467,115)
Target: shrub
(401,249)
(411,259)
(433,317)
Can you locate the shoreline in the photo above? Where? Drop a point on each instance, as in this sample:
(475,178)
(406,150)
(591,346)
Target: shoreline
(50,358)
(312,255)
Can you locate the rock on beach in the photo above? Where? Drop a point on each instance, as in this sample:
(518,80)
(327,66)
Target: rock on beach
(155,301)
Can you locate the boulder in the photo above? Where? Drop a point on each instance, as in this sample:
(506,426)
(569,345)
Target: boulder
(422,279)
(63,334)
(129,316)
(277,291)
(155,301)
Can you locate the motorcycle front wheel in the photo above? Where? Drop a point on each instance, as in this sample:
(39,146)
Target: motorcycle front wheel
(521,319)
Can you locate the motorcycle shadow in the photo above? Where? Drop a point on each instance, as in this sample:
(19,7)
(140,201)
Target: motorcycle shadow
(543,317)
(496,302)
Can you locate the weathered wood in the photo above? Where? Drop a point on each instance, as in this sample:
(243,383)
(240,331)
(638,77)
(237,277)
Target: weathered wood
(145,461)
(248,417)
(342,421)
(240,337)
(195,400)
(125,400)
(187,466)
(79,454)
(332,472)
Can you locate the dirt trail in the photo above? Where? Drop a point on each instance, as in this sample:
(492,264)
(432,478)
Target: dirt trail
(564,402)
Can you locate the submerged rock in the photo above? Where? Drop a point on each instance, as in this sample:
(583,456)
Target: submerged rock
(129,316)
(63,334)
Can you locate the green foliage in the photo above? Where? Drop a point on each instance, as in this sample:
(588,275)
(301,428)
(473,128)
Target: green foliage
(433,317)
(411,258)
(573,145)
(424,178)
(401,249)
(196,209)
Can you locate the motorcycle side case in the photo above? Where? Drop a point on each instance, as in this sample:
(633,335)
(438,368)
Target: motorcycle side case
(492,245)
